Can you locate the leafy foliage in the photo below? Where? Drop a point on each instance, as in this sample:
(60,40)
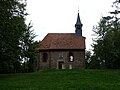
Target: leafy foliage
(15,35)
(107,44)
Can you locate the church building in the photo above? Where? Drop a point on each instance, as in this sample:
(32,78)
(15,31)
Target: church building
(63,50)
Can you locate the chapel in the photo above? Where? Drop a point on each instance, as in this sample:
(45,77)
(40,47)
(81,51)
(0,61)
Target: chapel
(62,50)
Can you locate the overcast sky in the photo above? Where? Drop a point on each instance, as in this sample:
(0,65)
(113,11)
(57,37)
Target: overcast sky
(59,16)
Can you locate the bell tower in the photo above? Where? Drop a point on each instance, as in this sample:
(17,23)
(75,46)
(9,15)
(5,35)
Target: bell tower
(78,26)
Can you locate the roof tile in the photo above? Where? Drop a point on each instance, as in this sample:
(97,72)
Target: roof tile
(62,41)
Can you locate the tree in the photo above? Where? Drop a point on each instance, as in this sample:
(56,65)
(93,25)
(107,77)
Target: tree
(107,45)
(87,58)
(15,35)
(29,51)
(32,54)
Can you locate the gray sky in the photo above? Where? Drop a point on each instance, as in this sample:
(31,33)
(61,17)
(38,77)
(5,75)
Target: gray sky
(59,16)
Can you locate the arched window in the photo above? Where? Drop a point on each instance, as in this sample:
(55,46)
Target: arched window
(71,57)
(45,57)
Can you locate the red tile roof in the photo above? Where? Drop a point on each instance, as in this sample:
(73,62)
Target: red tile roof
(62,41)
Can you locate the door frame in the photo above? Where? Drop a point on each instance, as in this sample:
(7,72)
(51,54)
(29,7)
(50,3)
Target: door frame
(60,64)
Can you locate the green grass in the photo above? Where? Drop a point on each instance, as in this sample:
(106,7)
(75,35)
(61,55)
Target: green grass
(62,80)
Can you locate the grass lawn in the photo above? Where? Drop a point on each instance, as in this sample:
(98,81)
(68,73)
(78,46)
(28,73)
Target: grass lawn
(62,80)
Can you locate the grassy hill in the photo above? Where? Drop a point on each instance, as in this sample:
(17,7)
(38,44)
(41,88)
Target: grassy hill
(62,80)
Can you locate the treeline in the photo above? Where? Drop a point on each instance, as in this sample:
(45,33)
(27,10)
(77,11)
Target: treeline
(106,47)
(17,47)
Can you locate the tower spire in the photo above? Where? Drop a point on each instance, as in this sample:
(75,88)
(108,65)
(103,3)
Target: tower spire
(78,26)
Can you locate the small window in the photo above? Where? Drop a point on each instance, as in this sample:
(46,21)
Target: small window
(45,57)
(71,57)
(61,56)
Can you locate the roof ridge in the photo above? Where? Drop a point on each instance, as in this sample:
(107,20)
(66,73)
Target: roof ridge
(61,33)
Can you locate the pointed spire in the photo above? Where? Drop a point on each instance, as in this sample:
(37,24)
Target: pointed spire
(78,22)
(78,26)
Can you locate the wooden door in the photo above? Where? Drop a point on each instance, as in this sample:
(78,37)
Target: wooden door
(60,65)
